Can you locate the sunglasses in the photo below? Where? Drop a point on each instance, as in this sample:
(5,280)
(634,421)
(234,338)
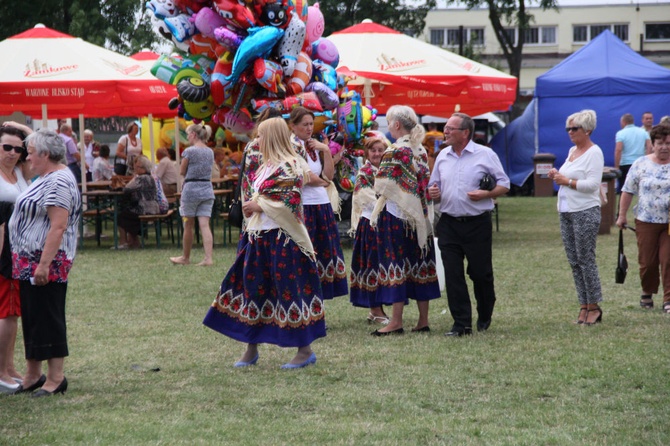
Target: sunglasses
(572,129)
(9,147)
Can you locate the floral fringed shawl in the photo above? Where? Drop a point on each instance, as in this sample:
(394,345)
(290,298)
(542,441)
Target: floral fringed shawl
(252,160)
(364,193)
(403,178)
(280,197)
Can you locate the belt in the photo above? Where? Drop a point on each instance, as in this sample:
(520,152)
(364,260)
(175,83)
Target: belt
(468,218)
(191,180)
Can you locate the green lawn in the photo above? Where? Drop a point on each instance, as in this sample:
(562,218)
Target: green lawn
(144,370)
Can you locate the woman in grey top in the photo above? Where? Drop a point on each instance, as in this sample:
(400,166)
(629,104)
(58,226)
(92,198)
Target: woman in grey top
(197,196)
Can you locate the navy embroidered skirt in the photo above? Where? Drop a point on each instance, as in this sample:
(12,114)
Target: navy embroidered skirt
(271,295)
(403,273)
(364,277)
(322,228)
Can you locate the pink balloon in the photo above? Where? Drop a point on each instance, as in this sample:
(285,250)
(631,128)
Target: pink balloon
(326,51)
(315,23)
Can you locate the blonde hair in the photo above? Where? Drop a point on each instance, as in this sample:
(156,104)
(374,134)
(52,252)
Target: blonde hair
(275,142)
(585,119)
(409,121)
(202,132)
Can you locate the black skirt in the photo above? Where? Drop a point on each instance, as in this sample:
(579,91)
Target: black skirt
(43,320)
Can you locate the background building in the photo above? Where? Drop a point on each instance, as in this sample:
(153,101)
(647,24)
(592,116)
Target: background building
(643,25)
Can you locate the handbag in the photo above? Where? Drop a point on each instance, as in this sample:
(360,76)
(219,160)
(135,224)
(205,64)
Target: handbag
(235,215)
(622,263)
(120,168)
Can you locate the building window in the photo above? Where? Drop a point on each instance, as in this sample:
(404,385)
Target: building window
(451,37)
(586,33)
(535,35)
(657,31)
(437,37)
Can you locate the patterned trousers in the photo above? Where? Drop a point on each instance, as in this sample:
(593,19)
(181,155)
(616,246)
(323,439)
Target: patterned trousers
(579,231)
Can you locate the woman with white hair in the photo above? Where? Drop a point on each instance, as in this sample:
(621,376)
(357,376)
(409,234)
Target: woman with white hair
(43,237)
(402,218)
(579,179)
(141,195)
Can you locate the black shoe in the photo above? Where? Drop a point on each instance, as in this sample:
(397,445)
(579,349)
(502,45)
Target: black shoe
(425,329)
(483,326)
(39,383)
(62,387)
(455,332)
(399,331)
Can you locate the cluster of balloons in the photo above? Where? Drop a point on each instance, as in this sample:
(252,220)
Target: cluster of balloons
(244,56)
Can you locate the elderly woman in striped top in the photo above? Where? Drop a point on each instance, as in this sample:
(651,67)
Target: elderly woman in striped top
(43,237)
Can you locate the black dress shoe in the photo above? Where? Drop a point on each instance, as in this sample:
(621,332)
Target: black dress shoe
(399,331)
(39,383)
(62,387)
(459,332)
(425,329)
(483,326)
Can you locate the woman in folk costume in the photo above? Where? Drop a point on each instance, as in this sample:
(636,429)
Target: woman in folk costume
(252,161)
(321,203)
(272,293)
(364,278)
(402,218)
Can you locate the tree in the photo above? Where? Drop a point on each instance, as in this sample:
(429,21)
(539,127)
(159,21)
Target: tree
(119,25)
(395,14)
(506,13)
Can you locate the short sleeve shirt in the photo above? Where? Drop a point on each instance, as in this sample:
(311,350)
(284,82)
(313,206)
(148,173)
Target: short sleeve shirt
(200,161)
(651,183)
(29,225)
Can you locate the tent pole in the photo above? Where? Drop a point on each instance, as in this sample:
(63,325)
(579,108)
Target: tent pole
(82,153)
(45,119)
(176,150)
(151,138)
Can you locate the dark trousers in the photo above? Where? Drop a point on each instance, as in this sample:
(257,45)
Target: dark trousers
(76,171)
(622,180)
(467,238)
(43,320)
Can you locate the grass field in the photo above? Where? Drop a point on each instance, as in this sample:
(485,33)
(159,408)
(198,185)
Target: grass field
(144,370)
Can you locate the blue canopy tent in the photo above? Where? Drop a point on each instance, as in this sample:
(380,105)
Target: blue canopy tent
(606,76)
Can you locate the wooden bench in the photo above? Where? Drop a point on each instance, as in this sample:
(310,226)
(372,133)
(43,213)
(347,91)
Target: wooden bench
(158,220)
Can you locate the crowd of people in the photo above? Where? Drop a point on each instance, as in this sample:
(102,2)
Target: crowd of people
(289,258)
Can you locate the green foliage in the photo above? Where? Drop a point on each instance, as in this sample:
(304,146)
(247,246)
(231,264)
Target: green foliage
(401,15)
(118,25)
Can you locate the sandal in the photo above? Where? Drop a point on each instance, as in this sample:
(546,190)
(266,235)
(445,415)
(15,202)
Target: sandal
(666,307)
(384,320)
(646,302)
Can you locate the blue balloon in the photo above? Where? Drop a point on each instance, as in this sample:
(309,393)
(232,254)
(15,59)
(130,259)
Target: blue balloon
(322,72)
(258,43)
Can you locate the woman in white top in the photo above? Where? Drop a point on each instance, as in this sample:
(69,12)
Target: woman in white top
(12,184)
(129,147)
(579,207)
(319,214)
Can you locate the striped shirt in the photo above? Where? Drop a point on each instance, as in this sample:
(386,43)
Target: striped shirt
(30,224)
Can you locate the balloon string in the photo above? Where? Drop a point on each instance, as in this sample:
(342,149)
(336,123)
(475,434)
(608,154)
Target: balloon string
(240,96)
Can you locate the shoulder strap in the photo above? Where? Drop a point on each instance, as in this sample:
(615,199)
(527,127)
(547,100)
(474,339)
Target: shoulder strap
(238,189)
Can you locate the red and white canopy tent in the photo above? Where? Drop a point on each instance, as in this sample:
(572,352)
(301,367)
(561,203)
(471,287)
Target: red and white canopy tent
(46,71)
(393,68)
